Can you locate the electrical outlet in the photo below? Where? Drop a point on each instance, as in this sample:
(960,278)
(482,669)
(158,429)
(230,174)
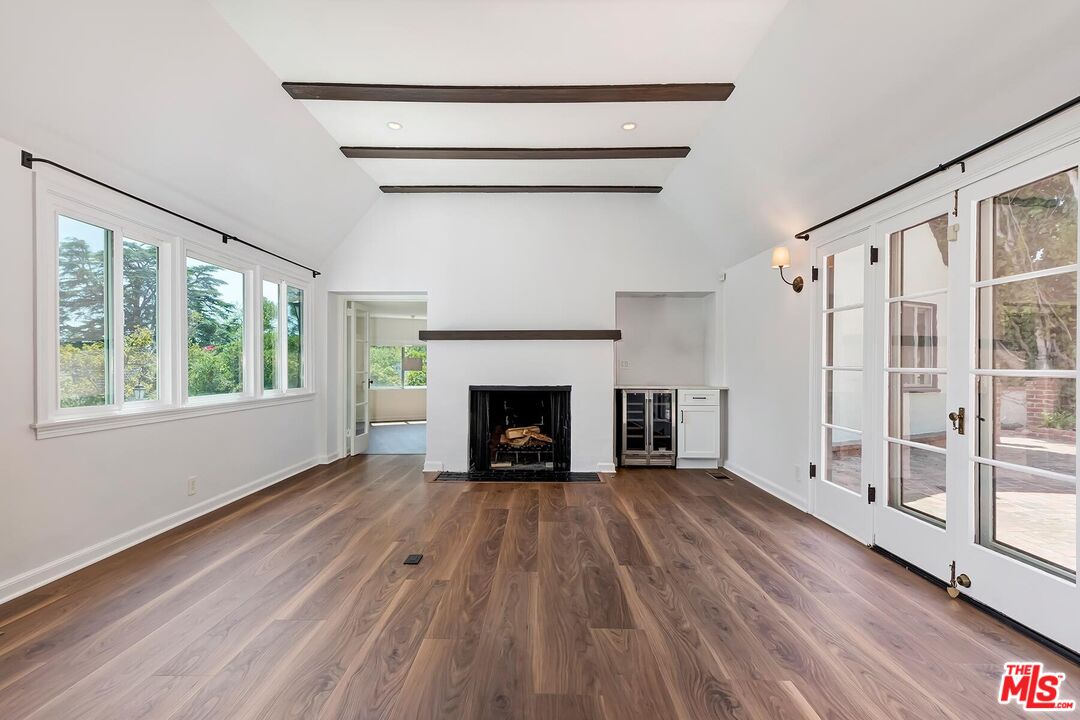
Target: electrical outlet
(192,485)
(624,364)
(798,473)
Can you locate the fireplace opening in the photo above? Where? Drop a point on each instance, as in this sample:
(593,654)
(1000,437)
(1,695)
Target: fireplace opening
(519,428)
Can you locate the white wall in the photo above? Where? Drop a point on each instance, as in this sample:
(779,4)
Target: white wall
(70,500)
(396,331)
(520,262)
(766,361)
(398,404)
(666,340)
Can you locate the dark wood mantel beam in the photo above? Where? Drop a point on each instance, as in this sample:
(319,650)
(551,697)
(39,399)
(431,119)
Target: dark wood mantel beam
(520,335)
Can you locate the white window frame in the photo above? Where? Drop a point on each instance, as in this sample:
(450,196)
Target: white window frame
(212,257)
(284,281)
(56,194)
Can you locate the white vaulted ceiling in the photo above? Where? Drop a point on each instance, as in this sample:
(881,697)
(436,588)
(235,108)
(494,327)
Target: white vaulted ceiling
(494,42)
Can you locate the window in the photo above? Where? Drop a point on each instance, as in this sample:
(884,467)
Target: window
(84,278)
(918,344)
(141,357)
(399,366)
(89,318)
(215,314)
(283,322)
(114,347)
(270,305)
(294,318)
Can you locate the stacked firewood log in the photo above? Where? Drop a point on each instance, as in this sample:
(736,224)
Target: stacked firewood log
(520,437)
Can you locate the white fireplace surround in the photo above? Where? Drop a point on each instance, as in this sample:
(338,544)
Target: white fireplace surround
(585,365)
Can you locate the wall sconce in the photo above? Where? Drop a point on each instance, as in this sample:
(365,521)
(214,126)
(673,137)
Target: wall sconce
(781,259)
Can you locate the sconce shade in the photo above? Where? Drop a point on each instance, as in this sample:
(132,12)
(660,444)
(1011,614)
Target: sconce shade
(781,258)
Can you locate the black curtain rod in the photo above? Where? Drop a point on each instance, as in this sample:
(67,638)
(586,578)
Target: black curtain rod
(28,161)
(958,160)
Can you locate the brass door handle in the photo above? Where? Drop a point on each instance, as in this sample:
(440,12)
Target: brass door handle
(958,420)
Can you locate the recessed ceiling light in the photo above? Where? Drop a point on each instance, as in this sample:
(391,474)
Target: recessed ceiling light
(394,125)
(629,125)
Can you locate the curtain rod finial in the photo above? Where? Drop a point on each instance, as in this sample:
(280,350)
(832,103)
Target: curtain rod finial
(802,236)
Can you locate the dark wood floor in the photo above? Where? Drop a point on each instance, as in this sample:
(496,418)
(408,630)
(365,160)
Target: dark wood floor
(658,594)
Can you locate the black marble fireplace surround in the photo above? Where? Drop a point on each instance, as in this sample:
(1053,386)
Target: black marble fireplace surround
(494,408)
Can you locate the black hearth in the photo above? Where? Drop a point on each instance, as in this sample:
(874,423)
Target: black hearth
(519,428)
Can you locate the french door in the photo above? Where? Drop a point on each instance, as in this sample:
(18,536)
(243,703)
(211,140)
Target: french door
(1013,477)
(357,406)
(839,494)
(910,514)
(966,427)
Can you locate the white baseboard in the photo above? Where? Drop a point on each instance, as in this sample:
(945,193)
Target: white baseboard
(605,467)
(432,466)
(770,487)
(55,569)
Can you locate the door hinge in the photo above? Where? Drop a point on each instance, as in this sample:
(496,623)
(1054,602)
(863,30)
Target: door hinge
(871,494)
(813,470)
(873,255)
(813,273)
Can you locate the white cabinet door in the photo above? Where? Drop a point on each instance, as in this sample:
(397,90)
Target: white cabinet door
(699,432)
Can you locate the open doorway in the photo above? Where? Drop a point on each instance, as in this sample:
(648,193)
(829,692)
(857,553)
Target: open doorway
(386,376)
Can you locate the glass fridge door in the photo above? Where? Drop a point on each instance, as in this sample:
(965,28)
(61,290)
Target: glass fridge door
(634,424)
(663,437)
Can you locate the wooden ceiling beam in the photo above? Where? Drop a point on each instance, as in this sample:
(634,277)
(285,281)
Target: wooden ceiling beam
(429,189)
(659,92)
(463,153)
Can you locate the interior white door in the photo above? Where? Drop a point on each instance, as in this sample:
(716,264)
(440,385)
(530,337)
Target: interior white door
(1012,479)
(839,491)
(910,508)
(358,406)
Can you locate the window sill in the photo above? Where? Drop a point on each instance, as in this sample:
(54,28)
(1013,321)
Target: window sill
(77,426)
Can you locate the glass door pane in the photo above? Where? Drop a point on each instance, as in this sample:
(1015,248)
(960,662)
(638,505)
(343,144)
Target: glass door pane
(662,437)
(916,379)
(361,372)
(842,376)
(1026,295)
(635,423)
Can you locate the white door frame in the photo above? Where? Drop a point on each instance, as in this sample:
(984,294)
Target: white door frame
(904,534)
(846,510)
(1035,597)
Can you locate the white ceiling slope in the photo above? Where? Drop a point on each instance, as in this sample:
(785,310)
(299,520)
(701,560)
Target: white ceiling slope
(163,98)
(496,42)
(845,99)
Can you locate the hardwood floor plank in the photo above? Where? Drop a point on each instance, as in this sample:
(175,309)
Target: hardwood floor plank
(484,544)
(631,685)
(655,594)
(502,681)
(691,672)
(248,673)
(565,707)
(563,658)
(371,686)
(522,531)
